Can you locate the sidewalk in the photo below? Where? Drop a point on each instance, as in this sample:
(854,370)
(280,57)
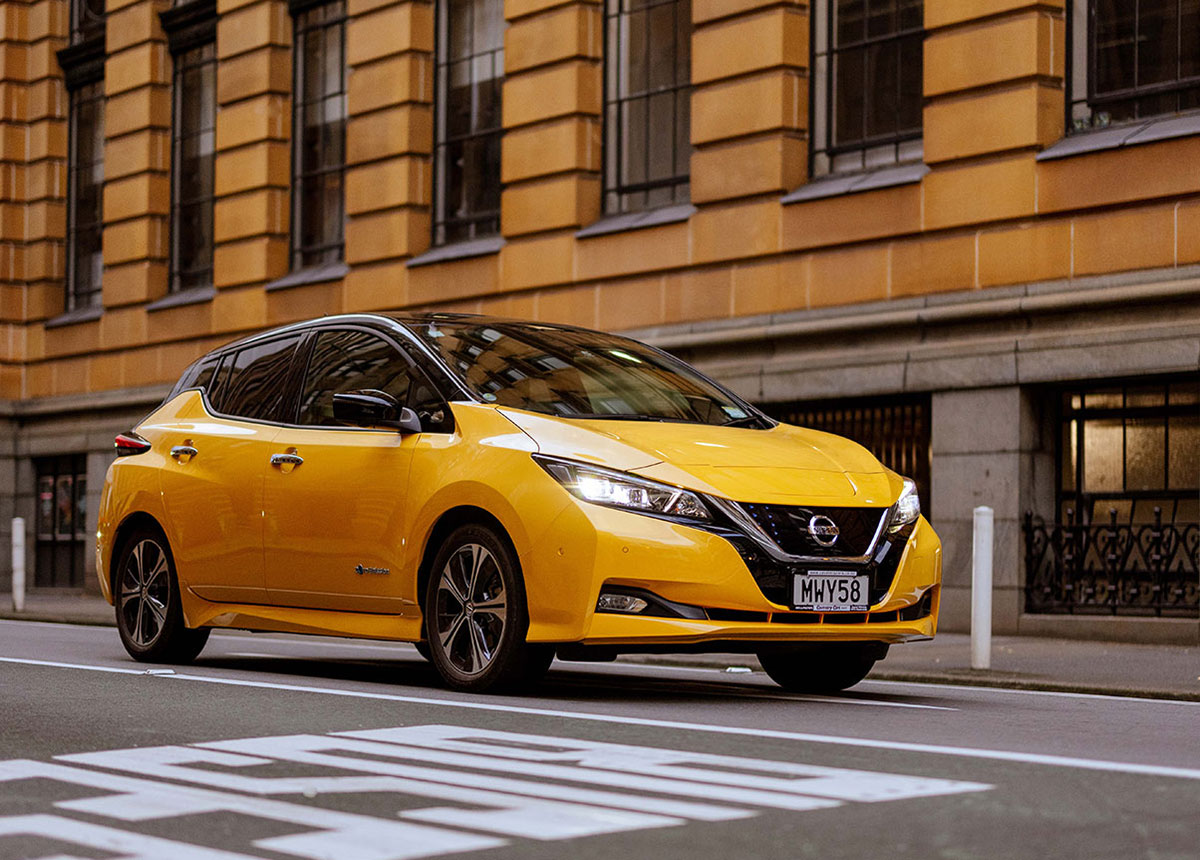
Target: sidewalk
(1022,662)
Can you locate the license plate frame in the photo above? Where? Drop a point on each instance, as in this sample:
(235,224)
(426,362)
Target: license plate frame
(831,591)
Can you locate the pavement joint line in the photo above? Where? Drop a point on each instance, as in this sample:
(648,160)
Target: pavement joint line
(802,737)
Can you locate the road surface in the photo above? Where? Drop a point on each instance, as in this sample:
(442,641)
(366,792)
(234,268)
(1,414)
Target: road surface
(276,746)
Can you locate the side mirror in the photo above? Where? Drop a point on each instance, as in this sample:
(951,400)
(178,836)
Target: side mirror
(374,408)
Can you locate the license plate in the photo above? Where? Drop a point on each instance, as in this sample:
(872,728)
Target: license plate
(831,591)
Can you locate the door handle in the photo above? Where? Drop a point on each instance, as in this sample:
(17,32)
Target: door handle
(286,460)
(180,451)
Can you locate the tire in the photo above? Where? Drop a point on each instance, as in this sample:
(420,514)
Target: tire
(476,616)
(146,599)
(821,667)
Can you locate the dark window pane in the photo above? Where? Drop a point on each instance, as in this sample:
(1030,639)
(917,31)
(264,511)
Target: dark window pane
(345,361)
(849,93)
(319,136)
(470,72)
(85,264)
(647,111)
(193,170)
(254,383)
(1145,59)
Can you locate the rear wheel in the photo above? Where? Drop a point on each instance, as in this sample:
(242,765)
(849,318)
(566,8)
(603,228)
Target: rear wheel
(476,616)
(821,667)
(146,599)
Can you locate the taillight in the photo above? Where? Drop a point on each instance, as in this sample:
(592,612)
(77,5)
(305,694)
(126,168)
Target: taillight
(130,443)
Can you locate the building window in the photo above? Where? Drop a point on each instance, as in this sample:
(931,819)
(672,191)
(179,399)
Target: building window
(61,521)
(470,75)
(867,84)
(193,166)
(85,196)
(647,103)
(1128,449)
(87,20)
(1132,59)
(319,134)
(894,429)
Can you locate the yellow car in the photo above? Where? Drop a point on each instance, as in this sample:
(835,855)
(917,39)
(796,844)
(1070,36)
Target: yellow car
(499,492)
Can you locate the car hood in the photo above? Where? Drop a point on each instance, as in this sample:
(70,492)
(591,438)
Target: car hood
(783,465)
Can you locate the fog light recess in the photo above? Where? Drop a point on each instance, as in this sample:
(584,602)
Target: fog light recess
(624,603)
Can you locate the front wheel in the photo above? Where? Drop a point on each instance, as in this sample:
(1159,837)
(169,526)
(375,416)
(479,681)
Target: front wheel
(821,667)
(146,598)
(476,616)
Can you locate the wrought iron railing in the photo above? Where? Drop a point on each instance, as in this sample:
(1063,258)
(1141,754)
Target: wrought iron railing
(1112,568)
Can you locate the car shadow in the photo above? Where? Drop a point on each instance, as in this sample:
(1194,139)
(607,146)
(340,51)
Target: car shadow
(567,682)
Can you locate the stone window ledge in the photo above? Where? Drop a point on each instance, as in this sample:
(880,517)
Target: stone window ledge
(458,251)
(193,296)
(80,315)
(852,183)
(1098,140)
(638,220)
(311,275)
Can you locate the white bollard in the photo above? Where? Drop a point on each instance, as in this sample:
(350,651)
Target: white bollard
(18,564)
(981,590)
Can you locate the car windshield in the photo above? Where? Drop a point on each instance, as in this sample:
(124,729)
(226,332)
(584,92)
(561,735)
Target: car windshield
(576,373)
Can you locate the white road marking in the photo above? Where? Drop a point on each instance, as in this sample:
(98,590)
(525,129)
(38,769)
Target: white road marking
(223,782)
(620,719)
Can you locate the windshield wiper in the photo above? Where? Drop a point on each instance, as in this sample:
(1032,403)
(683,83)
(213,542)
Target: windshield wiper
(615,416)
(744,421)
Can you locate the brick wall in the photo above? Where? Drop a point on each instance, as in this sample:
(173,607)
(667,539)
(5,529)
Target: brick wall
(987,214)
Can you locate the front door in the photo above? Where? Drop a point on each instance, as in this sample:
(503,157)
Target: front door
(335,496)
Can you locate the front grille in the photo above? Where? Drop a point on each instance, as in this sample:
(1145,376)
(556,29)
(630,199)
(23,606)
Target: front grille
(788,526)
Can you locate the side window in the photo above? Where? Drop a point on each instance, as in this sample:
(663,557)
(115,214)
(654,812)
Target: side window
(253,381)
(199,375)
(350,361)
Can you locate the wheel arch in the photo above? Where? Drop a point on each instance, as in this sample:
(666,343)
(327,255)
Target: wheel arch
(445,524)
(131,523)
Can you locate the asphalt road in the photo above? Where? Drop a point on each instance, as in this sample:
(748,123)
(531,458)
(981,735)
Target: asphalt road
(282,747)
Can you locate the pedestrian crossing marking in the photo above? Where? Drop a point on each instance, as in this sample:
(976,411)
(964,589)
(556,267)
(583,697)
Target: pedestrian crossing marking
(485,789)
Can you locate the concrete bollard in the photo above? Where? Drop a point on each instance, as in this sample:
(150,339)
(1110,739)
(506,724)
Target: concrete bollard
(981,590)
(18,564)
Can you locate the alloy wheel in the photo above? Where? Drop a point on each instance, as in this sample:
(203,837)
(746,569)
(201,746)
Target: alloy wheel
(472,608)
(145,592)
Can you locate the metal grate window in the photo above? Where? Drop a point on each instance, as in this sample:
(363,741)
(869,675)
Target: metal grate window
(896,430)
(647,103)
(1132,59)
(470,75)
(85,215)
(60,524)
(194,164)
(867,83)
(319,134)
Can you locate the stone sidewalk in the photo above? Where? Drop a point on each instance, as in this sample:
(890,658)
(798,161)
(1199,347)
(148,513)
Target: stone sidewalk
(1022,662)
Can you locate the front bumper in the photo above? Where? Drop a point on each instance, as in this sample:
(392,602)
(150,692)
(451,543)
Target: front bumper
(588,548)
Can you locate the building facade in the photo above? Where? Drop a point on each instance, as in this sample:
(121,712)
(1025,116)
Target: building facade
(964,232)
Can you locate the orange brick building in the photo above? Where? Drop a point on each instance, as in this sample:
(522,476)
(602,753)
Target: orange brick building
(966,232)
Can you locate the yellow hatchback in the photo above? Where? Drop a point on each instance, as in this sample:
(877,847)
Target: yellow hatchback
(500,492)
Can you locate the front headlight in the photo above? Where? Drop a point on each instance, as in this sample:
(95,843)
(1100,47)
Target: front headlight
(621,490)
(907,507)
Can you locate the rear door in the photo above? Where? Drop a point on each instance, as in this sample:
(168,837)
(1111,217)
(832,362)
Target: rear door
(335,501)
(213,485)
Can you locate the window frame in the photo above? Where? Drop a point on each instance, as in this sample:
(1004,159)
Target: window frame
(297,252)
(613,191)
(190,26)
(54,544)
(1083,502)
(441,219)
(906,147)
(1081,63)
(76,299)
